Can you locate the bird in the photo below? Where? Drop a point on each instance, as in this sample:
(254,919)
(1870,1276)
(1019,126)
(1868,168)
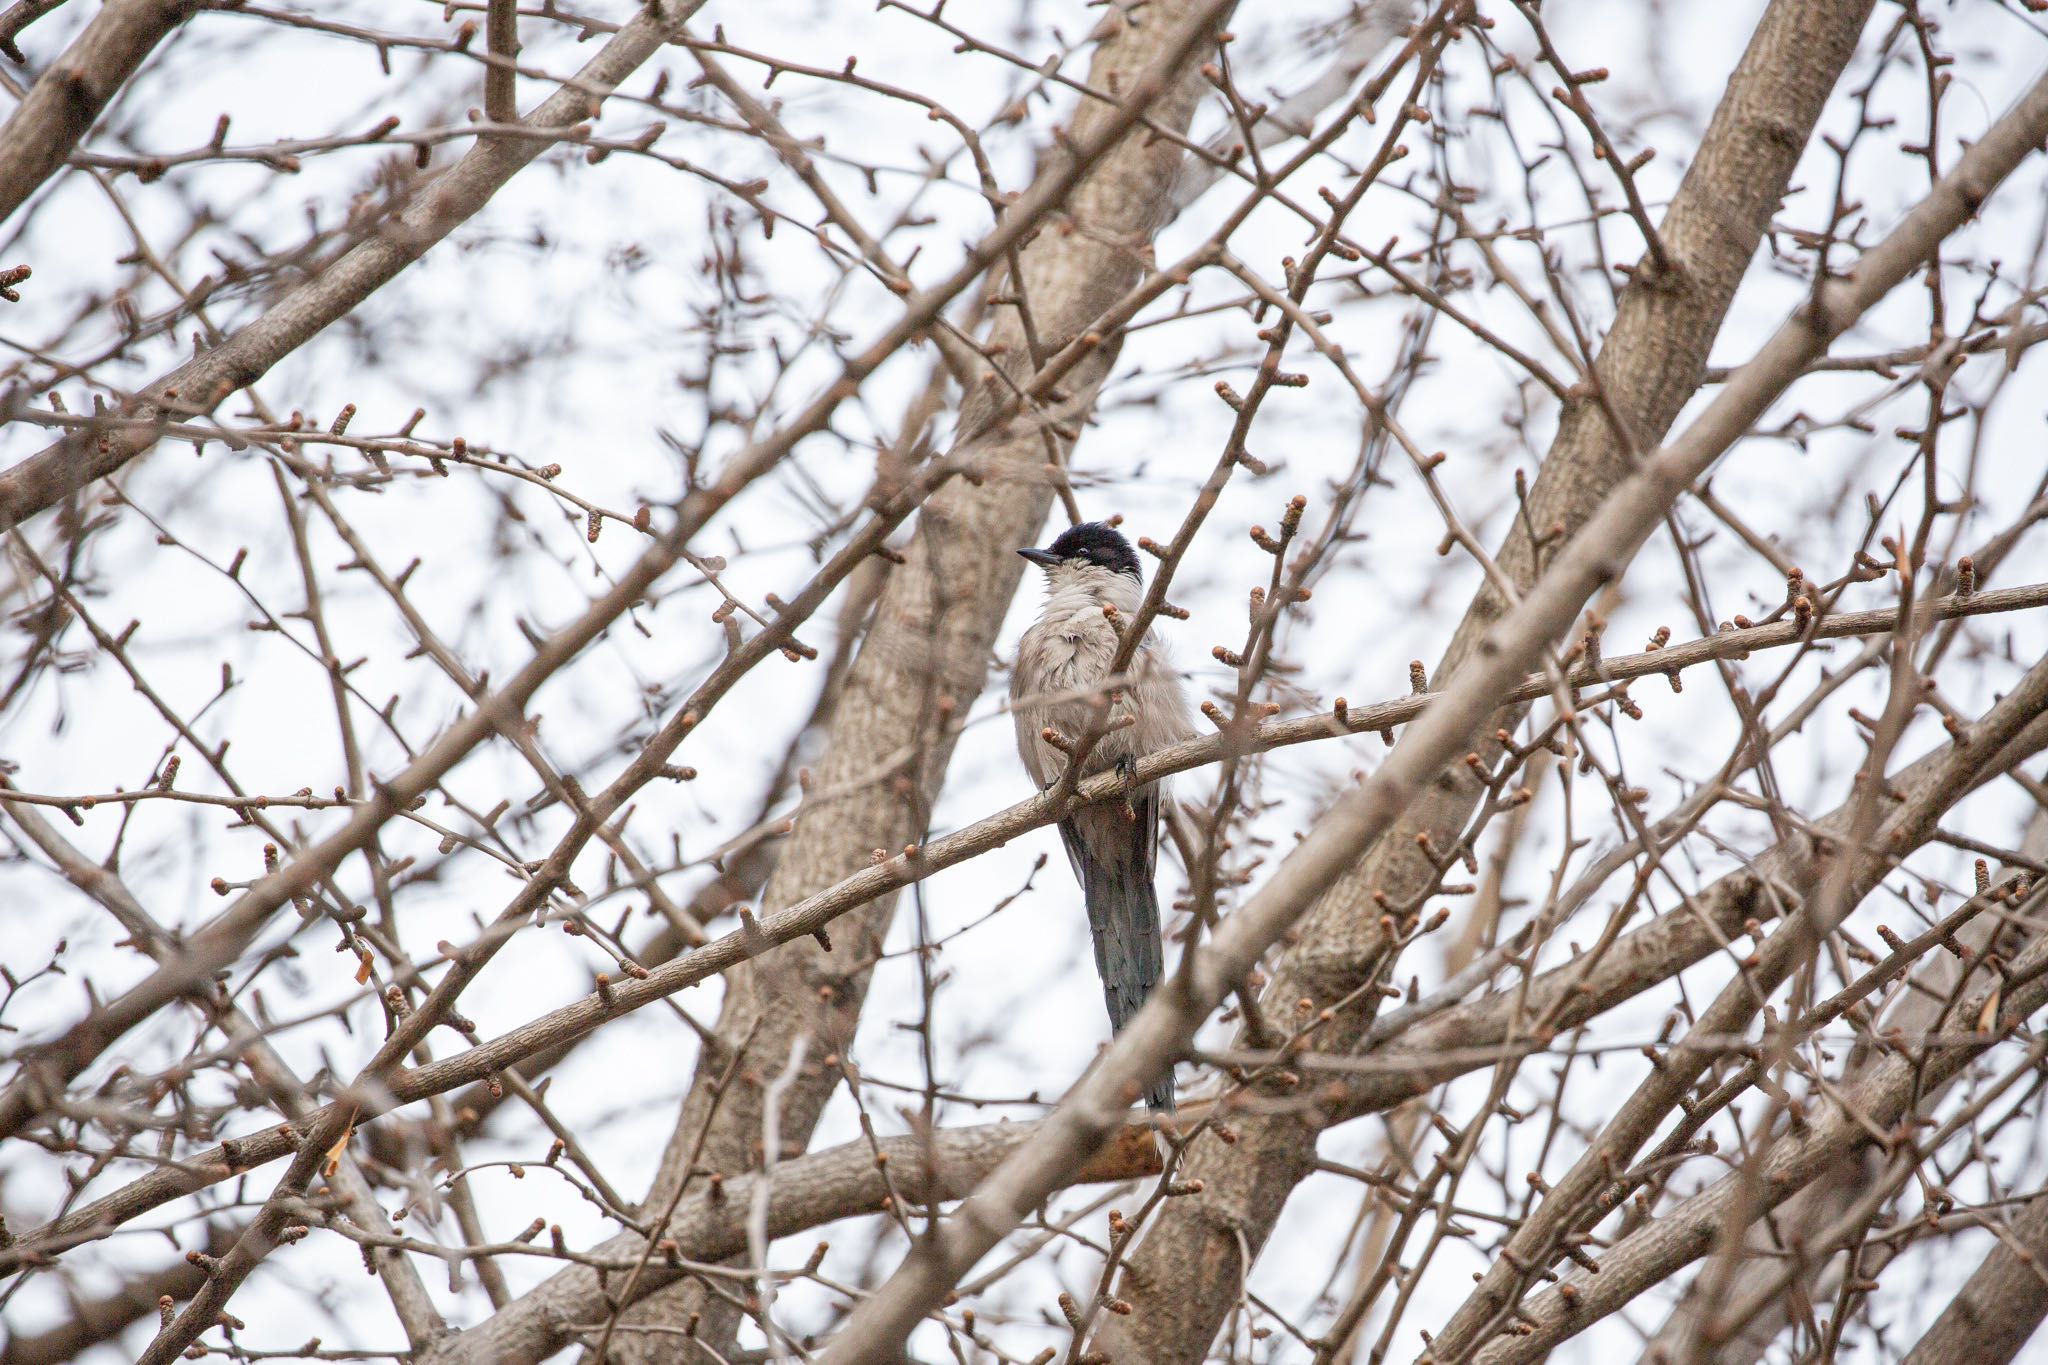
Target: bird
(1063,662)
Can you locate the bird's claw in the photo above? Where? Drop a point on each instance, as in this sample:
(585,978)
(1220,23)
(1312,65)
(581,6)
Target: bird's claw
(1127,773)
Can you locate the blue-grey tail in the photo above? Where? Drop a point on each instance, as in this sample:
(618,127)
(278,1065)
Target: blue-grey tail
(1114,856)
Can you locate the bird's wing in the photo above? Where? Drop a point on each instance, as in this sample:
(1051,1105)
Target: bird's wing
(1027,716)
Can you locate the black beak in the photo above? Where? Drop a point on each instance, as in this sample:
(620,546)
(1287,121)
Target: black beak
(1044,559)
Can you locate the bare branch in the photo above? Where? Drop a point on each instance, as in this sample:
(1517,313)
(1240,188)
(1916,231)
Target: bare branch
(1593,558)
(68,97)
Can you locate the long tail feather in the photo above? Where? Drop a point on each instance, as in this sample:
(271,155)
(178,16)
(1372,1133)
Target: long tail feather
(1114,858)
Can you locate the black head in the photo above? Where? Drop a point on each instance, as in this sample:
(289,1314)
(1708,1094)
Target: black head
(1089,543)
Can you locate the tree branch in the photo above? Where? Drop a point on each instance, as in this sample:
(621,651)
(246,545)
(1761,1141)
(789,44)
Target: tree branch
(1675,942)
(67,98)
(1593,558)
(203,383)
(1183,1277)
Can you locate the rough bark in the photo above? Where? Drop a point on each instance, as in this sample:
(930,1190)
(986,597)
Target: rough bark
(1991,1318)
(1185,1274)
(922,664)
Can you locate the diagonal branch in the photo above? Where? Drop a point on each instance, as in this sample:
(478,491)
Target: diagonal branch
(288,1093)
(68,97)
(46,1071)
(1649,366)
(710,1223)
(1992,1316)
(926,654)
(1575,1199)
(201,384)
(1637,960)
(1825,1201)
(1593,558)
(1652,1253)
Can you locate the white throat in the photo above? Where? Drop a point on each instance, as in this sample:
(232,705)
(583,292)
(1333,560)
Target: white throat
(1071,589)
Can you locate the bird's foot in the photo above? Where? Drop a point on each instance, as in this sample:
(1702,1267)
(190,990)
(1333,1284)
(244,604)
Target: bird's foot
(1127,773)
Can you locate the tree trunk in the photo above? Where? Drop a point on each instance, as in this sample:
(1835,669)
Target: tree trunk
(924,661)
(1184,1276)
